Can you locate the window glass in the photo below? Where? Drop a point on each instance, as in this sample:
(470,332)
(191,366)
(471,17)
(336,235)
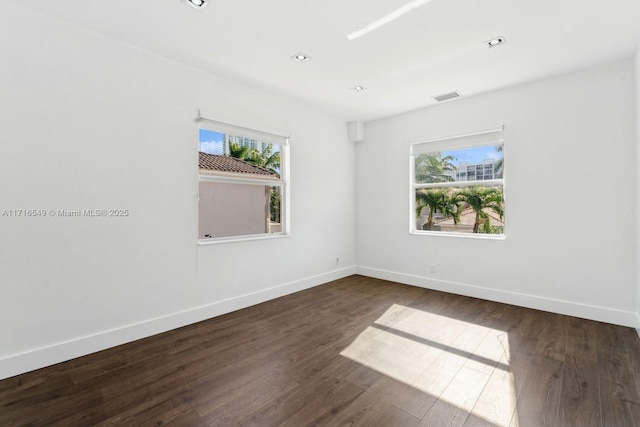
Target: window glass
(460,187)
(240,186)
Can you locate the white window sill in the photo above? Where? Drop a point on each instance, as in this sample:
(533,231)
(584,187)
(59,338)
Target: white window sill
(463,235)
(220,240)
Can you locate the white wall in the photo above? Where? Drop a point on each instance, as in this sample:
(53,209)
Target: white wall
(637,169)
(90,122)
(570,157)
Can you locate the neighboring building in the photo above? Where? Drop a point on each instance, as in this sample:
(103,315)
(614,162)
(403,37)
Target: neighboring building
(229,209)
(479,171)
(244,142)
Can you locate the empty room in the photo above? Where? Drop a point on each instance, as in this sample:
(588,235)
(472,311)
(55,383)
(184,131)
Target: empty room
(296,213)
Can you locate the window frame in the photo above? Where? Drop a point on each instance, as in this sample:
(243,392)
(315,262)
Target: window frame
(226,126)
(494,137)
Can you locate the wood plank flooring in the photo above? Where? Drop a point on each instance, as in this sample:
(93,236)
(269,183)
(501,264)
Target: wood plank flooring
(354,352)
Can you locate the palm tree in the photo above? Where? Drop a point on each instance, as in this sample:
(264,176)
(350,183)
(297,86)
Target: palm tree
(453,208)
(432,167)
(436,201)
(238,151)
(266,158)
(481,199)
(275,201)
(498,167)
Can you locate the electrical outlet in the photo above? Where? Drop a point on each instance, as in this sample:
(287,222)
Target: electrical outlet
(337,260)
(432,268)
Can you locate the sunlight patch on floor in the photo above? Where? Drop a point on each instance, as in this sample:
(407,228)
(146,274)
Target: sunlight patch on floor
(463,364)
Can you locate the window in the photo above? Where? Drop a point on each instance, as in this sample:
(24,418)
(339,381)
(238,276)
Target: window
(243,182)
(457,185)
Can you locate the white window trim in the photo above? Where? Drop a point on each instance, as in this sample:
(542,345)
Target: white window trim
(220,124)
(245,181)
(247,130)
(485,182)
(470,140)
(245,238)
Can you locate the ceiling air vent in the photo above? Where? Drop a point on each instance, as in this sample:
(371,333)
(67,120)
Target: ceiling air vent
(447,96)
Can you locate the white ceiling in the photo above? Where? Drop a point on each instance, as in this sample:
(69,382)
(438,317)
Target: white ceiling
(432,50)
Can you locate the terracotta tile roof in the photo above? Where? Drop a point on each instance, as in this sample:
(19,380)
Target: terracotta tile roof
(214,162)
(468,217)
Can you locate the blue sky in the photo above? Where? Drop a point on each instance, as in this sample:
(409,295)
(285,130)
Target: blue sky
(472,155)
(211,142)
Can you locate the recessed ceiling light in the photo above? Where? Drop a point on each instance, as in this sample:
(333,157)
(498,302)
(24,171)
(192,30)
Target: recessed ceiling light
(359,88)
(198,4)
(496,42)
(300,57)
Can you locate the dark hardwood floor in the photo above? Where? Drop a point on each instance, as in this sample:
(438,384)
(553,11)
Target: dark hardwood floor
(354,352)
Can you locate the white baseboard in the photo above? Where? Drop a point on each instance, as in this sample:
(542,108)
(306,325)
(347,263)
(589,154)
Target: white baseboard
(38,358)
(601,314)
(41,357)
